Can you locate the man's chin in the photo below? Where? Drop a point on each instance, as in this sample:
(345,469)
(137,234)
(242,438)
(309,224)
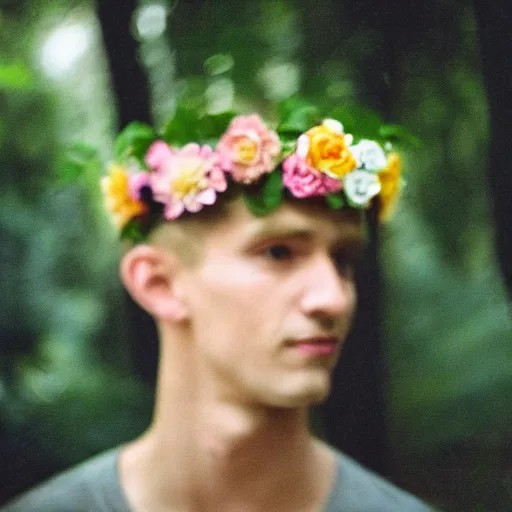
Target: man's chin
(305,397)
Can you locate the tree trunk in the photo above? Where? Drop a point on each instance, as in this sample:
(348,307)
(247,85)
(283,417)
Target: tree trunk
(129,80)
(131,91)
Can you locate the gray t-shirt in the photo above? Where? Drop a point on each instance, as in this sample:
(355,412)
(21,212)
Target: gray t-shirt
(94,486)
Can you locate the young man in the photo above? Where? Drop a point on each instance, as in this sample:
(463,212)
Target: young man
(253,299)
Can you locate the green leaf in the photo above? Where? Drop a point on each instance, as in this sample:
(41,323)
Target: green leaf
(267,197)
(213,126)
(297,116)
(76,160)
(15,76)
(134,141)
(256,204)
(131,231)
(183,127)
(186,126)
(397,132)
(288,146)
(273,190)
(361,122)
(335,201)
(219,63)
(289,138)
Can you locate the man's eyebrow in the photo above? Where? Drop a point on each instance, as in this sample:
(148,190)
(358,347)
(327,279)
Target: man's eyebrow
(264,229)
(282,232)
(353,237)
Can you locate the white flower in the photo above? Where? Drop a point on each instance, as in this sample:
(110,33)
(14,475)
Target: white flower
(360,187)
(302,146)
(369,155)
(333,125)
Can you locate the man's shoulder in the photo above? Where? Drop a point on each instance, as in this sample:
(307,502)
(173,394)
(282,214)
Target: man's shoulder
(357,489)
(92,485)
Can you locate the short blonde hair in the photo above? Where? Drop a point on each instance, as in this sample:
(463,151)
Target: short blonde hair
(185,236)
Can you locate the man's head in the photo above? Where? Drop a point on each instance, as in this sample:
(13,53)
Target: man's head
(249,265)
(263,303)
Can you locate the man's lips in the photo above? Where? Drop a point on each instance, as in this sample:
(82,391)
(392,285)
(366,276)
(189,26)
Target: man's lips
(323,345)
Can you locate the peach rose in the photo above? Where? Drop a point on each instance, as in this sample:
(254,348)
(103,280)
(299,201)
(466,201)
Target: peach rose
(248,149)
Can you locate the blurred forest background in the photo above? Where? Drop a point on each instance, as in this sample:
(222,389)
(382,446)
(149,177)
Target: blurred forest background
(426,396)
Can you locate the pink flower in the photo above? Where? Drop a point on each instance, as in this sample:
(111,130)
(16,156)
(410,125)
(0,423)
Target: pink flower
(157,154)
(304,181)
(136,182)
(248,149)
(187,179)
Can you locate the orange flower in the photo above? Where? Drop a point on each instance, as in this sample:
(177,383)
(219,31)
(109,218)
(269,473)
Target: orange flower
(391,184)
(118,199)
(328,152)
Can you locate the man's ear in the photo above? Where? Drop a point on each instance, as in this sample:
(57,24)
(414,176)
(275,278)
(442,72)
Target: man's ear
(149,275)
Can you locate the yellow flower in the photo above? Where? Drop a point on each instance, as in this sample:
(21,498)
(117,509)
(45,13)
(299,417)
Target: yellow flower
(118,199)
(390,182)
(328,152)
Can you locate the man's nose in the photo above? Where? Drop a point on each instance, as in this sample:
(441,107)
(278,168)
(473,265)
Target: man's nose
(328,293)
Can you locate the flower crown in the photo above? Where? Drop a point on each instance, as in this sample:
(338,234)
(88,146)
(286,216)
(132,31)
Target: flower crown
(154,181)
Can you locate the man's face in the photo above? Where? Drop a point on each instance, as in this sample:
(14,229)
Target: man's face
(271,302)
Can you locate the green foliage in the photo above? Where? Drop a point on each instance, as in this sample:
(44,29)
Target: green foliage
(189,125)
(296,116)
(132,232)
(267,197)
(134,141)
(15,76)
(182,127)
(361,122)
(218,63)
(75,163)
(210,127)
(400,134)
(335,201)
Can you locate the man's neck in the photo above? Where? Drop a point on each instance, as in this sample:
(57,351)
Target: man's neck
(201,455)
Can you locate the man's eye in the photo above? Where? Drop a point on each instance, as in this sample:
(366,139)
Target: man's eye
(279,252)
